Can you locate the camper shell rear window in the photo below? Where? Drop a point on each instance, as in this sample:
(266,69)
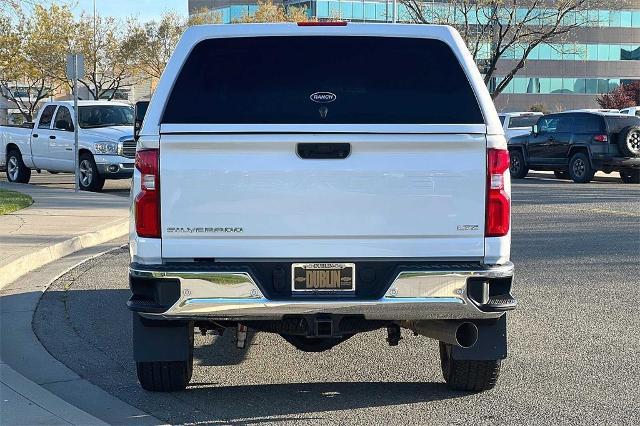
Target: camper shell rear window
(322,80)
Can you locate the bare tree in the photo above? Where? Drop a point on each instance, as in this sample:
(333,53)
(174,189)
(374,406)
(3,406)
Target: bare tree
(31,46)
(495,29)
(26,94)
(153,42)
(109,62)
(267,11)
(16,5)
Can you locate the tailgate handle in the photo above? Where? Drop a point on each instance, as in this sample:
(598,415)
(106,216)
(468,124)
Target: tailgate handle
(324,151)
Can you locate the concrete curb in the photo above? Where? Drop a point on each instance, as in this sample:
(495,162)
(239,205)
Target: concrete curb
(14,270)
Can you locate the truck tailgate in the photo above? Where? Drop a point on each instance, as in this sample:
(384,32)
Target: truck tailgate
(252,196)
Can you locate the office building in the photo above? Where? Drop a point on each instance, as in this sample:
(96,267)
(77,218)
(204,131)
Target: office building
(593,59)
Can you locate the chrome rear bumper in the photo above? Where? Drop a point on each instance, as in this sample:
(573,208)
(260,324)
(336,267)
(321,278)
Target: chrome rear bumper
(430,294)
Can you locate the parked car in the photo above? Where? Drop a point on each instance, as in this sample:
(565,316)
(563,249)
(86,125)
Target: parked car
(324,202)
(635,110)
(105,145)
(610,110)
(518,123)
(575,145)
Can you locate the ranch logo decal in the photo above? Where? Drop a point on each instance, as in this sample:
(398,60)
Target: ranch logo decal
(323,97)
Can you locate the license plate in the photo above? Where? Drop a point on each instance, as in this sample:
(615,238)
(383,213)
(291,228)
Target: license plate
(323,277)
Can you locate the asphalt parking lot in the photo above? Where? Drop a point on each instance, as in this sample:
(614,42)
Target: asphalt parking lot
(121,187)
(573,354)
(65,181)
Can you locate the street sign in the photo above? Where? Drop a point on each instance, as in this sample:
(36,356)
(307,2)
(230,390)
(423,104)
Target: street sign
(75,66)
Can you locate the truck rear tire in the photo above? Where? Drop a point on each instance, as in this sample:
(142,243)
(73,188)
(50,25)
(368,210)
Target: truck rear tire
(90,179)
(517,166)
(468,375)
(580,168)
(164,376)
(16,170)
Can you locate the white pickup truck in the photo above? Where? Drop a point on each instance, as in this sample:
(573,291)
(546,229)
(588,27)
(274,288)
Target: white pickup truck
(518,123)
(634,110)
(319,180)
(105,143)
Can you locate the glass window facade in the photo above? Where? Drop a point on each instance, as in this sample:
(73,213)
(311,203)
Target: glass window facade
(322,8)
(382,11)
(237,11)
(442,11)
(574,52)
(560,85)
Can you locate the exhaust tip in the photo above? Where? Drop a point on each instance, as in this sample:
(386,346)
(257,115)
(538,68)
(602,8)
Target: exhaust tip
(467,334)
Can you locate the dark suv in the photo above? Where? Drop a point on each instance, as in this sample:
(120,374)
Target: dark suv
(577,144)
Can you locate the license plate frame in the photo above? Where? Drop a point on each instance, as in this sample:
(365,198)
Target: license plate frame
(325,281)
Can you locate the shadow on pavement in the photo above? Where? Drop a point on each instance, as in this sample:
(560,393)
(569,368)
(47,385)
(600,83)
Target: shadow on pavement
(296,398)
(90,332)
(222,351)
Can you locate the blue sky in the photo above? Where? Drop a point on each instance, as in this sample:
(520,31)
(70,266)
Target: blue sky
(144,9)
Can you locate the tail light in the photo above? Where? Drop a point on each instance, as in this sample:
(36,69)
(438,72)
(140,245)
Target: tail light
(601,138)
(147,203)
(498,209)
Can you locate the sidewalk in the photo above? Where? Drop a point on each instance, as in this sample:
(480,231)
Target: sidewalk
(600,176)
(58,222)
(24,402)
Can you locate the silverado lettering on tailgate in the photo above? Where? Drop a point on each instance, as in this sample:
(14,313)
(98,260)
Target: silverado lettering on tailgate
(202,230)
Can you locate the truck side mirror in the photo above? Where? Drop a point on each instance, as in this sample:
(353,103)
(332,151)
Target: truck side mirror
(140,111)
(534,129)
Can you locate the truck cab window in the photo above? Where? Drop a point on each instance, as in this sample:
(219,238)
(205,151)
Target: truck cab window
(92,116)
(45,118)
(63,120)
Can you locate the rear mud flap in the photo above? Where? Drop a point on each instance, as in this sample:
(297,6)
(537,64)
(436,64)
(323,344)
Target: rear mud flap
(156,340)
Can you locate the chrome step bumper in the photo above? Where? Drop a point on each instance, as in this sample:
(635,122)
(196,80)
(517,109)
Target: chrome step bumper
(413,295)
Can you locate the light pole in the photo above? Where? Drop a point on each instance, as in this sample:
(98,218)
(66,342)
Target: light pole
(75,70)
(76,127)
(94,21)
